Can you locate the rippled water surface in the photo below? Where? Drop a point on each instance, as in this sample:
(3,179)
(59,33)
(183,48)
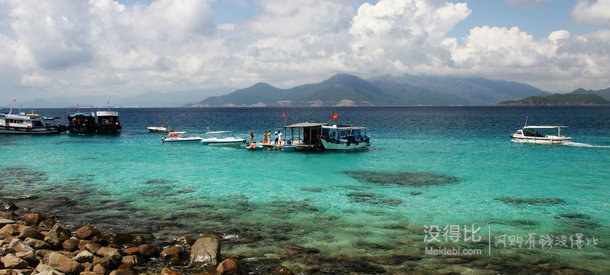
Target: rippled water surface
(426,166)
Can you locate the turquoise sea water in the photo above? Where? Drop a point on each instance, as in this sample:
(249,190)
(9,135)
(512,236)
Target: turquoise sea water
(310,200)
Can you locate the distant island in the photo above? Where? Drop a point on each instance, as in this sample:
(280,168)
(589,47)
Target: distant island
(351,90)
(578,97)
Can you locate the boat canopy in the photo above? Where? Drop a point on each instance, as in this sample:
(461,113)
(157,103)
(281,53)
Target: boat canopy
(106,113)
(544,127)
(80,114)
(344,127)
(305,125)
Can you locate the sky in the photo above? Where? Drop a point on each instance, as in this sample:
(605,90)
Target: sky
(57,48)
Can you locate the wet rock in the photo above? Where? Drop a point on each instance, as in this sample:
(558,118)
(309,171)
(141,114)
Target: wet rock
(46,224)
(9,230)
(46,269)
(402,178)
(63,263)
(131,251)
(18,245)
(28,256)
(7,215)
(84,256)
(293,249)
(13,262)
(167,271)
(93,247)
(132,260)
(108,262)
(121,272)
(8,206)
(542,201)
(99,269)
(57,235)
(185,240)
(37,244)
(87,232)
(110,257)
(148,250)
(574,216)
(205,250)
(33,219)
(4,222)
(70,244)
(282,270)
(172,254)
(83,243)
(228,266)
(30,232)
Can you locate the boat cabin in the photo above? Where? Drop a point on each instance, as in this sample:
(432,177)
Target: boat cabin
(304,135)
(108,122)
(81,123)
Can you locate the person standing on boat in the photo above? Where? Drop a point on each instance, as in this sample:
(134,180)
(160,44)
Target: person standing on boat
(251,136)
(276,137)
(279,136)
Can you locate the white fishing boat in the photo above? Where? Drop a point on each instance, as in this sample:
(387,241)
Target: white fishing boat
(213,138)
(179,137)
(538,135)
(23,123)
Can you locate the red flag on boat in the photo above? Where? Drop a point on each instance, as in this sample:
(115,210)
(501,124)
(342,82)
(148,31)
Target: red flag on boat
(284,115)
(108,102)
(14,100)
(76,104)
(334,116)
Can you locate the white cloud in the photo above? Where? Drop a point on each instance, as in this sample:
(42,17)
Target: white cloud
(101,46)
(403,34)
(35,79)
(595,12)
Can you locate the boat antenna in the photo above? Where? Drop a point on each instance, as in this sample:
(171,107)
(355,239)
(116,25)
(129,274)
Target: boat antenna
(525,121)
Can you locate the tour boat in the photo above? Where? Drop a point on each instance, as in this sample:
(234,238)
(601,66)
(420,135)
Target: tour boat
(322,136)
(532,134)
(23,123)
(108,122)
(177,137)
(344,137)
(221,141)
(82,123)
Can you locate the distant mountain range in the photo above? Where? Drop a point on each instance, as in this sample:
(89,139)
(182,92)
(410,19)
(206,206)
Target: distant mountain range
(576,97)
(350,90)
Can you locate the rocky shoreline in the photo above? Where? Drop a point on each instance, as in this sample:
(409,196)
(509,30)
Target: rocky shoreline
(34,243)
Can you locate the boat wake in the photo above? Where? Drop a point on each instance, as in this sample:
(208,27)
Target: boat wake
(578,144)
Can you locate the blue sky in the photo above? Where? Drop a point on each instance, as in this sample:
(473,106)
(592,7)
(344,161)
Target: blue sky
(70,47)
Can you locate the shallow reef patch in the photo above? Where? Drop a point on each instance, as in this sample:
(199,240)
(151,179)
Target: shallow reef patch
(531,201)
(402,178)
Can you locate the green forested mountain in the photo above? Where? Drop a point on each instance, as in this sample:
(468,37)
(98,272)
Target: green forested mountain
(350,90)
(605,93)
(559,100)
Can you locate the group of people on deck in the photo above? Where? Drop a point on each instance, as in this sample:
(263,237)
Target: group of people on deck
(277,140)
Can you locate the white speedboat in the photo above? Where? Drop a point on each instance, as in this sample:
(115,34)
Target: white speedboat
(164,128)
(213,139)
(178,137)
(23,123)
(536,134)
